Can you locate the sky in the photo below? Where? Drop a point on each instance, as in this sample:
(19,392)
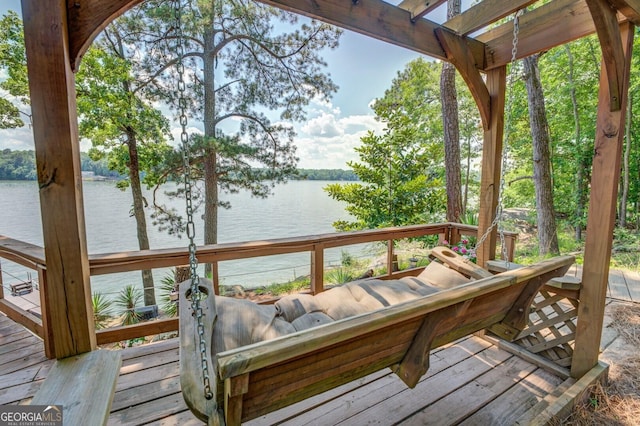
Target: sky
(363,68)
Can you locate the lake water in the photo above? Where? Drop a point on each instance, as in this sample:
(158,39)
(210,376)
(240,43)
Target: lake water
(295,209)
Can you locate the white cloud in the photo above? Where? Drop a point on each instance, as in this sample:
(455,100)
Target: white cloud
(328,140)
(17,139)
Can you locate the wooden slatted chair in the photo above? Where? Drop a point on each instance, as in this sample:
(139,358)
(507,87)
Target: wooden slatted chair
(263,377)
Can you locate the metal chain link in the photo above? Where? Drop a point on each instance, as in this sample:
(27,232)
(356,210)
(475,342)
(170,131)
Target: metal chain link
(497,220)
(196,295)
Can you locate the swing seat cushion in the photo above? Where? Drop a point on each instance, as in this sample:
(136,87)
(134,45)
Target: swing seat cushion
(241,322)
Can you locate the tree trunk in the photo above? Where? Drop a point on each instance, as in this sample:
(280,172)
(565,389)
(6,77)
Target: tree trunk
(138,212)
(624,193)
(580,186)
(210,154)
(547,237)
(451,131)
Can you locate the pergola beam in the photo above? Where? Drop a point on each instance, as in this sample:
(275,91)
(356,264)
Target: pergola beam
(483,14)
(608,31)
(66,309)
(87,18)
(460,56)
(605,178)
(419,8)
(380,20)
(629,8)
(553,24)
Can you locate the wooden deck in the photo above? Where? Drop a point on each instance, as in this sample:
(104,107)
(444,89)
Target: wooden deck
(471,382)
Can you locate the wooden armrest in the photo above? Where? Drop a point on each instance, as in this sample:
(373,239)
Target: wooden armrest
(459,263)
(84,386)
(497,266)
(566,282)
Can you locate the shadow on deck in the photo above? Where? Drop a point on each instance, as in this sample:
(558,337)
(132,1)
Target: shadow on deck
(472,382)
(469,382)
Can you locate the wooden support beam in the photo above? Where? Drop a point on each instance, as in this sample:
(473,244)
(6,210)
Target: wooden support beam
(605,178)
(460,56)
(484,13)
(552,24)
(608,32)
(629,8)
(87,18)
(491,164)
(419,8)
(378,19)
(55,130)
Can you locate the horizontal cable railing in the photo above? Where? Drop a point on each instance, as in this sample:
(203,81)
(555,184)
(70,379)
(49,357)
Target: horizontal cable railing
(32,257)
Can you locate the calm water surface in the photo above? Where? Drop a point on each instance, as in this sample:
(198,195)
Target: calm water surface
(295,209)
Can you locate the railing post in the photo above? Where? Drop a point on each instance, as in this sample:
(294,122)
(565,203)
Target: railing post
(510,242)
(1,283)
(317,269)
(47,332)
(454,235)
(392,260)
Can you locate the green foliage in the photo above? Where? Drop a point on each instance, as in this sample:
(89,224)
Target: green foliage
(327,174)
(277,289)
(401,170)
(241,58)
(17,165)
(125,303)
(13,61)
(21,165)
(101,310)
(338,276)
(167,286)
(346,258)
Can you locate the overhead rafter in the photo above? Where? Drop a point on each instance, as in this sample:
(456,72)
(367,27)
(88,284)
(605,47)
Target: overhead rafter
(380,20)
(419,8)
(550,25)
(629,8)
(483,14)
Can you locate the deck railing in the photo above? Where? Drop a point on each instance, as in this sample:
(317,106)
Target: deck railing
(32,257)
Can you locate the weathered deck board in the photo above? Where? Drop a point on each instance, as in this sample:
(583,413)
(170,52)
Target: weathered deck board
(455,407)
(472,371)
(358,400)
(517,400)
(618,286)
(632,278)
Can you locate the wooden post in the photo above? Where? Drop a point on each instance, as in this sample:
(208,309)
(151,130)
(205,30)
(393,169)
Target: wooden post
(67,294)
(317,269)
(1,283)
(491,164)
(392,260)
(605,177)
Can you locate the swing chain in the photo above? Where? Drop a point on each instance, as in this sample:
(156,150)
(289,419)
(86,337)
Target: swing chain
(196,295)
(497,220)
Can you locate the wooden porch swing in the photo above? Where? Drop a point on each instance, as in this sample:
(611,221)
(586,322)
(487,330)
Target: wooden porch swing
(256,379)
(250,381)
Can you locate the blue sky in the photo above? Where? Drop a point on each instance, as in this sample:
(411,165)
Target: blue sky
(362,67)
